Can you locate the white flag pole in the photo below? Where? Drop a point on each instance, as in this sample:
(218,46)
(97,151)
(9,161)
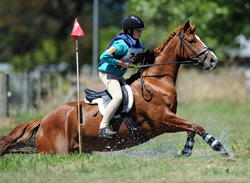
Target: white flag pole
(78,99)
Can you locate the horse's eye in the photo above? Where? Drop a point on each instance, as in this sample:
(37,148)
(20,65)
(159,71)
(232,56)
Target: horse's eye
(192,41)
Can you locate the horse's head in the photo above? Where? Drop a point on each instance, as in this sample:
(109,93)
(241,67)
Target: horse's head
(191,47)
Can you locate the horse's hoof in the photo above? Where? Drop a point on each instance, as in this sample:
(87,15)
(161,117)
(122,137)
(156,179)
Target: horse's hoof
(224,152)
(183,154)
(180,156)
(186,153)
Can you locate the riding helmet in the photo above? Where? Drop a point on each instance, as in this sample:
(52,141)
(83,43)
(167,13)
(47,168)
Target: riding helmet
(132,22)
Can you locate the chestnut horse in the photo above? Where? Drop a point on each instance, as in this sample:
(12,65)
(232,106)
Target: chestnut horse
(154,110)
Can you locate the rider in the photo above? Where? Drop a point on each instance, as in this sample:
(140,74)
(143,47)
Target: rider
(114,63)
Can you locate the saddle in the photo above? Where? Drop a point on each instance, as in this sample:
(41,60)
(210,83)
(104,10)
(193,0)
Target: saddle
(103,98)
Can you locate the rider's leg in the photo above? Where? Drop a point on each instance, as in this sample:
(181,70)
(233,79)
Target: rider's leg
(113,86)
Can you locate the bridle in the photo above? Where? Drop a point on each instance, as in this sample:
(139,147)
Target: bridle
(192,60)
(195,60)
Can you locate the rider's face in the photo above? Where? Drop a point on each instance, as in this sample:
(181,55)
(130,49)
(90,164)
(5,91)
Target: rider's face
(137,33)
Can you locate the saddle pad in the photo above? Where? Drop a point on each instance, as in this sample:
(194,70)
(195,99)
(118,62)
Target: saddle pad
(126,105)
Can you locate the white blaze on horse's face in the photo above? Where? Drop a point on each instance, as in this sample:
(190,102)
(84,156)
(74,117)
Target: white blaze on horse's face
(210,60)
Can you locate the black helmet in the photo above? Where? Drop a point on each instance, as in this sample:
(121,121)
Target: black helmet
(132,22)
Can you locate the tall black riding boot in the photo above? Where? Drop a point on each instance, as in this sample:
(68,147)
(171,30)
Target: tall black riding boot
(106,132)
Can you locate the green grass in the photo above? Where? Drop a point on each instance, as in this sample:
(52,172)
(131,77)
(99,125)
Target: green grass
(154,161)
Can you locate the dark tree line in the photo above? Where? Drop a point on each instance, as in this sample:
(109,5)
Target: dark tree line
(36,33)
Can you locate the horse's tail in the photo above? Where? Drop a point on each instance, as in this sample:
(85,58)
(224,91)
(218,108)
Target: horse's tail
(22,132)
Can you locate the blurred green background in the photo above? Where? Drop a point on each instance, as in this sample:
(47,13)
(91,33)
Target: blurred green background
(36,33)
(37,51)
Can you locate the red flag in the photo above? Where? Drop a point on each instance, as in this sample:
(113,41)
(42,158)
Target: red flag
(77,30)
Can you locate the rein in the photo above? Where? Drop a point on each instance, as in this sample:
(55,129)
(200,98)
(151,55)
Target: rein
(168,63)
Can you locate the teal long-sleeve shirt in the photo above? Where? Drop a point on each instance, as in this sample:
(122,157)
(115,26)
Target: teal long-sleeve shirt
(109,63)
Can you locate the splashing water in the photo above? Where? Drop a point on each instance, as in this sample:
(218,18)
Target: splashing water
(220,132)
(154,148)
(150,149)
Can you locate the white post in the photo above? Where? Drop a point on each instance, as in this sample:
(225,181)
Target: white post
(27,102)
(95,38)
(247,82)
(78,99)
(4,109)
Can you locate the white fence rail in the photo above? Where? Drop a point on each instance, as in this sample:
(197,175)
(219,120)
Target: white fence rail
(23,92)
(4,108)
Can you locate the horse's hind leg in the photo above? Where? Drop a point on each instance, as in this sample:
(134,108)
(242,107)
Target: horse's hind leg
(180,124)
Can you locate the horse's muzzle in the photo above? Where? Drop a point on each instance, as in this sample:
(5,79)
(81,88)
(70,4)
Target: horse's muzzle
(210,61)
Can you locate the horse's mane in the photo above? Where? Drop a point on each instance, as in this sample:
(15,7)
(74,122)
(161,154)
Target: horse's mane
(160,48)
(148,56)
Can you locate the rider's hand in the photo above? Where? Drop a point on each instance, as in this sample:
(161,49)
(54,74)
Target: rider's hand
(123,64)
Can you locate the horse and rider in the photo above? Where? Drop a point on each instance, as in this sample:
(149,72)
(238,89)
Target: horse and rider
(125,116)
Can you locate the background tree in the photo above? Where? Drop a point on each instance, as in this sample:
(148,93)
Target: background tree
(219,21)
(36,33)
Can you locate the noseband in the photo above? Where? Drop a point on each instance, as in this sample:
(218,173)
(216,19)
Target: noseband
(196,60)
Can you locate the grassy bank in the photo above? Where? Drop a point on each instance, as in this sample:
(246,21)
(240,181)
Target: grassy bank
(154,161)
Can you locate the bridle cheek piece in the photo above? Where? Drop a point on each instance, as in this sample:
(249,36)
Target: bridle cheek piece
(196,60)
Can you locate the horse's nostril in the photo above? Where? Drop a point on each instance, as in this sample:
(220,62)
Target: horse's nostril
(212,60)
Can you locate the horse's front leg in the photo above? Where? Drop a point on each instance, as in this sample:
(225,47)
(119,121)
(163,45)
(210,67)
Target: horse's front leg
(187,150)
(175,123)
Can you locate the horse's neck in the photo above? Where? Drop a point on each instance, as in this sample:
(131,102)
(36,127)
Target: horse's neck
(167,72)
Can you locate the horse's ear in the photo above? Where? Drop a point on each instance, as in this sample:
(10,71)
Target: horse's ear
(193,28)
(186,26)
